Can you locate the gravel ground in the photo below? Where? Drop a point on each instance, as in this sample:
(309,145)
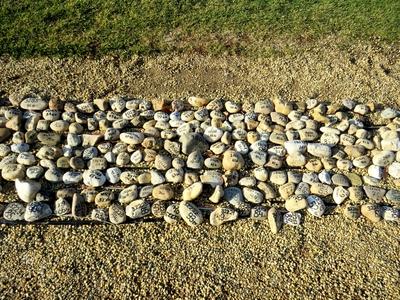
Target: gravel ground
(324,259)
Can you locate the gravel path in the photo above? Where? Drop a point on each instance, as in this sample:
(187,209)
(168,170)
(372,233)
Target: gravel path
(325,258)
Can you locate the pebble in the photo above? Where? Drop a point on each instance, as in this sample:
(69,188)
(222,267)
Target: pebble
(374,193)
(195,160)
(192,192)
(172,214)
(319,150)
(316,206)
(372,212)
(233,195)
(390,214)
(275,220)
(35,211)
(321,189)
(13,171)
(190,213)
(383,158)
(33,104)
(62,207)
(292,218)
(393,195)
(232,160)
(295,203)
(394,170)
(138,209)
(222,215)
(352,211)
(27,189)
(14,212)
(341,180)
(163,192)
(128,194)
(340,194)
(253,195)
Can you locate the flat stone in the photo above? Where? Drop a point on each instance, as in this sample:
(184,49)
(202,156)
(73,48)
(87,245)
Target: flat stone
(163,192)
(33,104)
(192,192)
(321,189)
(374,193)
(319,150)
(341,180)
(292,218)
(172,214)
(93,178)
(190,213)
(13,171)
(233,195)
(340,194)
(352,211)
(316,206)
(222,215)
(253,195)
(14,211)
(138,209)
(383,158)
(393,195)
(296,202)
(36,211)
(372,212)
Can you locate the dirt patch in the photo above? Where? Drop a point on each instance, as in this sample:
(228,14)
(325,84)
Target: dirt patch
(325,258)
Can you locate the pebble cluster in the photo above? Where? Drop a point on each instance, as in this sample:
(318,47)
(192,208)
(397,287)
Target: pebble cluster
(118,159)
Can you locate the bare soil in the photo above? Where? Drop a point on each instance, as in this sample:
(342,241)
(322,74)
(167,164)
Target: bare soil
(327,258)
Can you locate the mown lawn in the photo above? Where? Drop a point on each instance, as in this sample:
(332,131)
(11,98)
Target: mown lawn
(97,27)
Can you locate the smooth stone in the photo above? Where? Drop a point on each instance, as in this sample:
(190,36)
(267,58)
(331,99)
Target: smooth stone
(296,160)
(389,113)
(53,174)
(316,206)
(394,170)
(375,171)
(352,211)
(259,213)
(275,220)
(213,134)
(232,160)
(355,179)
(260,173)
(278,177)
(131,138)
(340,194)
(212,178)
(27,189)
(190,213)
(329,139)
(294,177)
(162,162)
(163,192)
(193,142)
(321,189)
(253,195)
(213,163)
(217,194)
(159,208)
(33,104)
(93,178)
(78,208)
(356,193)
(36,211)
(325,177)
(62,207)
(138,209)
(372,212)
(390,214)
(258,158)
(198,101)
(248,181)
(195,160)
(192,192)
(341,180)
(222,215)
(295,203)
(319,150)
(172,214)
(99,214)
(34,172)
(374,193)
(287,189)
(233,195)
(241,147)
(72,177)
(383,158)
(174,175)
(292,218)
(14,212)
(13,171)
(393,195)
(294,147)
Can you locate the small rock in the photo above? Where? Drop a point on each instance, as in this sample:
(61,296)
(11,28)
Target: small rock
(36,211)
(232,160)
(374,193)
(352,211)
(190,213)
(172,214)
(222,215)
(316,206)
(138,209)
(14,212)
(163,192)
(292,218)
(275,220)
(295,203)
(372,212)
(340,194)
(27,189)
(93,178)
(62,207)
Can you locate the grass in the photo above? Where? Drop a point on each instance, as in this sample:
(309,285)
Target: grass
(98,27)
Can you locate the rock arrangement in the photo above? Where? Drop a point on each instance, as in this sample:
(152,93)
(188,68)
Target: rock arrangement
(119,159)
